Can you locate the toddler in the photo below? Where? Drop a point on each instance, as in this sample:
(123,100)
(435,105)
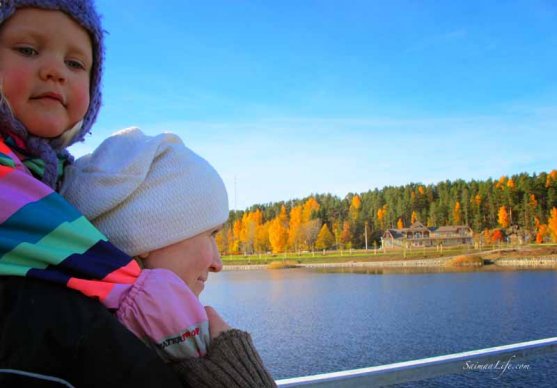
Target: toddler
(51,54)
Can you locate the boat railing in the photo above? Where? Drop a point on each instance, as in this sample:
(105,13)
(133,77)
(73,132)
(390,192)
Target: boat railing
(499,359)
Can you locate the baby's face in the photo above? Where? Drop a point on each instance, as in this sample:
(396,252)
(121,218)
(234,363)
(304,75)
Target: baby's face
(45,65)
(190,259)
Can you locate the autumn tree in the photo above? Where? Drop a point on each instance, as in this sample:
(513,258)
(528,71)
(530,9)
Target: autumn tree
(552,224)
(278,231)
(400,224)
(414,217)
(381,213)
(295,228)
(346,235)
(325,238)
(457,217)
(503,217)
(354,210)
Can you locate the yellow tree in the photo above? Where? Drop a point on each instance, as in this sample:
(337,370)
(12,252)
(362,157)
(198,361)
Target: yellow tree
(355,206)
(278,231)
(262,237)
(346,235)
(236,232)
(457,213)
(231,249)
(400,223)
(381,213)
(414,216)
(221,239)
(325,238)
(552,224)
(503,217)
(310,207)
(295,228)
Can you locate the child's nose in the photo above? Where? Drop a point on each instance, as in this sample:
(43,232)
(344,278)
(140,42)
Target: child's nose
(53,69)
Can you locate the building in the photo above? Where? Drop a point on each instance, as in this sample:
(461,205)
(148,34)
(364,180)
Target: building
(417,235)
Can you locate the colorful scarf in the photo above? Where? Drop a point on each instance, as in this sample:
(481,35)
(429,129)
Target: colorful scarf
(44,237)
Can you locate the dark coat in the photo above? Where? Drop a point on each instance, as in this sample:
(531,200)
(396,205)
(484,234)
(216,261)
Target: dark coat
(51,336)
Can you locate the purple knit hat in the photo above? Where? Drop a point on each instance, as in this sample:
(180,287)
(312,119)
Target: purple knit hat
(84,13)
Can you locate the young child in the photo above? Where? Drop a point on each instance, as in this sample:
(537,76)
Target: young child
(50,69)
(163,204)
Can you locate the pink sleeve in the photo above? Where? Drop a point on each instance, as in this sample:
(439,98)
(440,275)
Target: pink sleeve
(162,310)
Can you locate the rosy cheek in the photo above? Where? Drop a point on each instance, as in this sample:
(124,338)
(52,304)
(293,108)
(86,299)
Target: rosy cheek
(80,99)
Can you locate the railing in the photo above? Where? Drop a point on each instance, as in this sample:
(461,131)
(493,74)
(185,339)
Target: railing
(500,358)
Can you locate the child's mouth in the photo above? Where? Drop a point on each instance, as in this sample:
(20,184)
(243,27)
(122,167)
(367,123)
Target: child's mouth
(50,96)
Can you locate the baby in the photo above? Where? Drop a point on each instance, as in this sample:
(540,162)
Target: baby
(163,204)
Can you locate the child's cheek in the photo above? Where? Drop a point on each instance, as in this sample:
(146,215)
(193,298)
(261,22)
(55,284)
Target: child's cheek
(81,101)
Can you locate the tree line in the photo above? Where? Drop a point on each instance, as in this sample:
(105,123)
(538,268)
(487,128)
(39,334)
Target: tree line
(522,204)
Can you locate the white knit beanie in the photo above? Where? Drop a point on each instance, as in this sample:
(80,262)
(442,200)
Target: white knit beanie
(146,192)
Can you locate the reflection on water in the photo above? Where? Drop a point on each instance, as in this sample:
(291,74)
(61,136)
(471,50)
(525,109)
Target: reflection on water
(308,322)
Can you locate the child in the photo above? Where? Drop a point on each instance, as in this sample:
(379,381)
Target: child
(50,68)
(161,203)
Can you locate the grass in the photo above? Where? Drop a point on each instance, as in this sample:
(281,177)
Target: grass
(361,255)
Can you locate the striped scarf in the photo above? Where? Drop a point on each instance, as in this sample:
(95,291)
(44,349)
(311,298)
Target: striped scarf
(44,237)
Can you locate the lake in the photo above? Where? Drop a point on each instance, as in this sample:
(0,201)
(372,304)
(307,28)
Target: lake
(306,322)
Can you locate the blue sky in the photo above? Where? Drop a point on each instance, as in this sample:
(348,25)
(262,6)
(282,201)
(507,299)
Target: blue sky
(292,97)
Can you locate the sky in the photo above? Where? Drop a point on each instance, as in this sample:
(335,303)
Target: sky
(287,98)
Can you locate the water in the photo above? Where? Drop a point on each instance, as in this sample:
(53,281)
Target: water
(306,322)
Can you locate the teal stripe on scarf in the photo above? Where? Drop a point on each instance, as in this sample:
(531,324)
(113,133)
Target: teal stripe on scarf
(34,221)
(69,238)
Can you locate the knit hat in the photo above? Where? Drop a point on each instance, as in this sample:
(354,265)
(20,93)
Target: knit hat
(146,192)
(85,14)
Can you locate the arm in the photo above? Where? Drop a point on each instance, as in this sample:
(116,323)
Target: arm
(176,329)
(231,360)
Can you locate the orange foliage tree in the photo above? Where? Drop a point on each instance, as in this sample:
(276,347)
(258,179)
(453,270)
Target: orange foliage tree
(295,228)
(346,235)
(381,213)
(497,235)
(503,217)
(400,223)
(278,231)
(552,224)
(414,216)
(354,210)
(456,213)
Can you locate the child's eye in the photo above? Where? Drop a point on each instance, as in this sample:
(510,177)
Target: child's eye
(27,51)
(75,64)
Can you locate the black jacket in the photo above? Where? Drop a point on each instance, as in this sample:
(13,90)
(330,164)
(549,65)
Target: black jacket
(51,336)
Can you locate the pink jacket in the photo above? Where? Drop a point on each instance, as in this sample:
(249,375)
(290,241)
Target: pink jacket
(176,329)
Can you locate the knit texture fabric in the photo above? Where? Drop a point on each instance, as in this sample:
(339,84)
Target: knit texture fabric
(231,362)
(85,14)
(146,192)
(44,237)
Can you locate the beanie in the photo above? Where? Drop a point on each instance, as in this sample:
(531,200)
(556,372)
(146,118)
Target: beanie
(85,14)
(146,192)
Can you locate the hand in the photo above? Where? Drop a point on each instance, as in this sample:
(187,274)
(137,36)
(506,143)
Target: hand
(217,325)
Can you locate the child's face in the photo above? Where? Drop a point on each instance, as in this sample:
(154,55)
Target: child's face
(190,259)
(45,64)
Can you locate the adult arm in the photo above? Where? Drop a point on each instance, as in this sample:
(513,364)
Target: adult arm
(231,360)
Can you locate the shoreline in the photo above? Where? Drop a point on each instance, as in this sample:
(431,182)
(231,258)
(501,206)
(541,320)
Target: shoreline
(505,263)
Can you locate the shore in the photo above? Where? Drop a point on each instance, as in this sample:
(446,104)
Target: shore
(504,259)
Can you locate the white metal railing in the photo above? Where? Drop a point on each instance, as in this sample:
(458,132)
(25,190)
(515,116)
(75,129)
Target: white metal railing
(500,358)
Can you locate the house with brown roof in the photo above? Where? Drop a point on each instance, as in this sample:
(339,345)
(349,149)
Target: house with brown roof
(417,235)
